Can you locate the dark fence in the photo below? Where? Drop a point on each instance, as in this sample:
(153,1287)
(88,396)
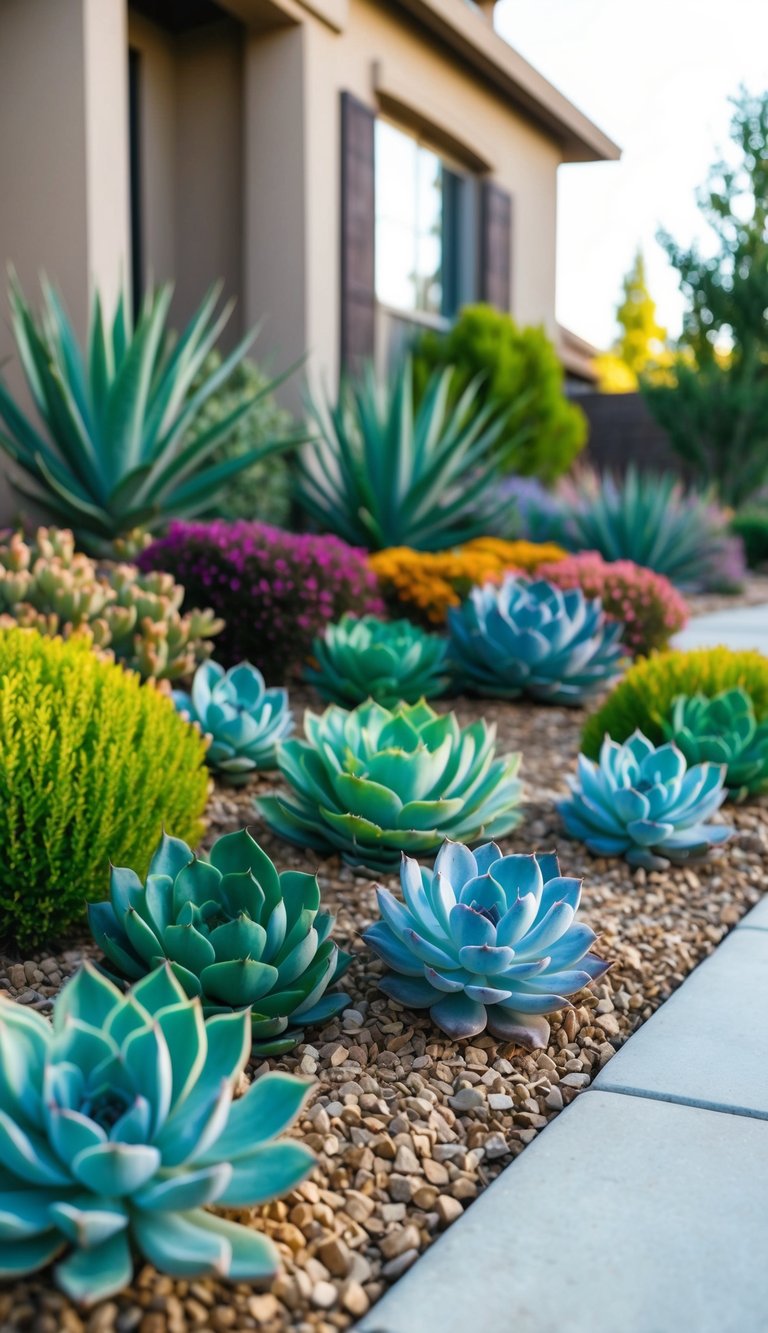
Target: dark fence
(623,431)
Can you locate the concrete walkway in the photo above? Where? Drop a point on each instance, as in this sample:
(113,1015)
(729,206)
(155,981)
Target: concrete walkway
(643,1207)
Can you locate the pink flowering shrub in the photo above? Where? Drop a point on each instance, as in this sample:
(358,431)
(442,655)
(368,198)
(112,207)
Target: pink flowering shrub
(275,590)
(646,604)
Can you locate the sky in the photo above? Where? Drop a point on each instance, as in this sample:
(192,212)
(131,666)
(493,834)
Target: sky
(656,77)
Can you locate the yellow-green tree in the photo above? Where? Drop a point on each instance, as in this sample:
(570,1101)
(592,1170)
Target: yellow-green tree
(642,341)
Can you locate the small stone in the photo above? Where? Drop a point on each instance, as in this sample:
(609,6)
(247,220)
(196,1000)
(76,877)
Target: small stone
(406,1161)
(466,1099)
(334,1253)
(554,1099)
(397,1242)
(324,1295)
(575,1081)
(448,1209)
(353,1299)
(436,1172)
(499,1101)
(262,1308)
(495,1146)
(396,1267)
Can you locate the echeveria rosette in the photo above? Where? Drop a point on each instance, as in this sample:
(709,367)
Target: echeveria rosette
(235,932)
(245,720)
(524,637)
(118,1129)
(385,660)
(372,783)
(723,730)
(645,804)
(485,941)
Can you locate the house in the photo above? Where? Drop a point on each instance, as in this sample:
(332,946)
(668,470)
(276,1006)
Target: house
(349,168)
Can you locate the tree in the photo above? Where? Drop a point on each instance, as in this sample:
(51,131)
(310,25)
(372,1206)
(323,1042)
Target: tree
(716,409)
(642,342)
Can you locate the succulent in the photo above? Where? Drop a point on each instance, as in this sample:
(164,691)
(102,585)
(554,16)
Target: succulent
(723,730)
(645,804)
(235,932)
(118,1129)
(373,783)
(246,721)
(48,586)
(533,638)
(485,941)
(377,659)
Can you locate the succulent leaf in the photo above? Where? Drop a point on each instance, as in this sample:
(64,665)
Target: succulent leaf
(722,729)
(246,722)
(389,661)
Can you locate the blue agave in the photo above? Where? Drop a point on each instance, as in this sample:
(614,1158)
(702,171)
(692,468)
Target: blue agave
(485,941)
(533,638)
(645,804)
(245,721)
(118,1129)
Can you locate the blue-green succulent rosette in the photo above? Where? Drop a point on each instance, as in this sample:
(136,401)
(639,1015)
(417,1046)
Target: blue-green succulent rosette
(644,803)
(485,942)
(245,721)
(722,730)
(385,660)
(118,1131)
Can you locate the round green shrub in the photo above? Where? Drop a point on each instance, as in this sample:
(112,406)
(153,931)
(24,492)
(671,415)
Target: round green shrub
(752,526)
(522,375)
(93,766)
(643,699)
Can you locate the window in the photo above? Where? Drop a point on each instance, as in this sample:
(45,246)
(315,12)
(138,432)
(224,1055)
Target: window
(424,248)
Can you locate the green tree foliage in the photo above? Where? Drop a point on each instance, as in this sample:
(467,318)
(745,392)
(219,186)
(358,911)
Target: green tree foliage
(641,344)
(716,408)
(522,376)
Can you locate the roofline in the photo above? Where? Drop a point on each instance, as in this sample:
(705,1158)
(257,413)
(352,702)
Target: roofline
(473,38)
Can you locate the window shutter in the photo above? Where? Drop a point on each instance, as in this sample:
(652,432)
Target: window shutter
(496,246)
(358,290)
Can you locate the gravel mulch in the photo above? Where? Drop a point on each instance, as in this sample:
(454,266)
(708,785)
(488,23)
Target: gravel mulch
(409,1127)
(754,592)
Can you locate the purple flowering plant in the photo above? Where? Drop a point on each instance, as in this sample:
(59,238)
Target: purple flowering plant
(274,589)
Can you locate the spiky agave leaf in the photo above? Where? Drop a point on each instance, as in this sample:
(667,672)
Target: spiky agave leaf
(118,1130)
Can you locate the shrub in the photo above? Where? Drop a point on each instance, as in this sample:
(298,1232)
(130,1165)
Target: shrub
(426,585)
(375,782)
(386,473)
(647,606)
(522,379)
(643,699)
(114,457)
(263,490)
(385,660)
(275,590)
(93,765)
(650,519)
(47,586)
(751,526)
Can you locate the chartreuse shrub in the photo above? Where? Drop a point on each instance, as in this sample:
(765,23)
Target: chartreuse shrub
(424,584)
(115,452)
(485,941)
(118,1131)
(521,379)
(93,765)
(48,586)
(236,933)
(645,697)
(644,803)
(385,660)
(245,721)
(373,783)
(723,730)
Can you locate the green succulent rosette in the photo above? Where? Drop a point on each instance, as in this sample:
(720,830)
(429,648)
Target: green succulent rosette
(722,730)
(245,721)
(118,1130)
(236,933)
(386,660)
(374,783)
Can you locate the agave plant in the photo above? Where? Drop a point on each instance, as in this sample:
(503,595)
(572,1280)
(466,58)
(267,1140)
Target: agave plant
(645,804)
(485,941)
(235,932)
(246,721)
(118,1130)
(533,638)
(723,730)
(377,659)
(373,783)
(114,453)
(387,473)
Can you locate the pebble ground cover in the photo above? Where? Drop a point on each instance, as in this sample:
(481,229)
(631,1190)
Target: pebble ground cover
(407,1125)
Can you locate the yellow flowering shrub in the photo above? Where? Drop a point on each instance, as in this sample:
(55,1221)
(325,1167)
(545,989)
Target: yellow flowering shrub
(93,765)
(425,584)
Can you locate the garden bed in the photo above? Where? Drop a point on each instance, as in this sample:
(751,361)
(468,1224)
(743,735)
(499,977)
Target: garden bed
(408,1126)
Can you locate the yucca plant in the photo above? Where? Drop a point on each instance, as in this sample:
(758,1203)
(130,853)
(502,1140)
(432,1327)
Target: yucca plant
(385,472)
(115,451)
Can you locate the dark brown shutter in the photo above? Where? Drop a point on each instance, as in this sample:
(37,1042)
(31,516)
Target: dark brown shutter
(358,293)
(496,246)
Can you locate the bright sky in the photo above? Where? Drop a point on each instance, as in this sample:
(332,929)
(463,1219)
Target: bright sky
(656,77)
